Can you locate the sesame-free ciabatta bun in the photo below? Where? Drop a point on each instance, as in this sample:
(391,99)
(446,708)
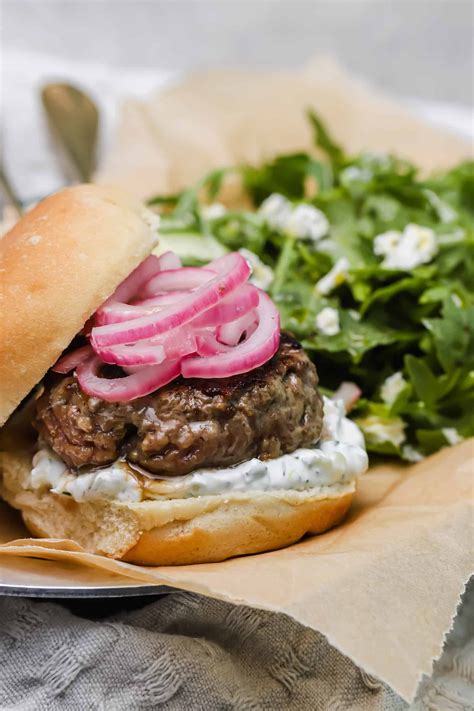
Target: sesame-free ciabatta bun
(205,529)
(57,265)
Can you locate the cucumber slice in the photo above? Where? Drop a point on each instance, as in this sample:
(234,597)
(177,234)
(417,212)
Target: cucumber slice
(190,246)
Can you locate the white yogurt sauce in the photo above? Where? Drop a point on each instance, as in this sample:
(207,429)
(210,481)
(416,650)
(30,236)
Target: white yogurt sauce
(114,483)
(338,458)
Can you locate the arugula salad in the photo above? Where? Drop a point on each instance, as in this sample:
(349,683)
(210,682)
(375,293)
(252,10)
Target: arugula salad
(372,269)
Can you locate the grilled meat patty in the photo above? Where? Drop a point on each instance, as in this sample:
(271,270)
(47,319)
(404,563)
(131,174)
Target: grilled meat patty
(191,423)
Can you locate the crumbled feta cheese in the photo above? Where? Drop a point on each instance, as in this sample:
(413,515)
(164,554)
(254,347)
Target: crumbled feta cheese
(410,454)
(334,278)
(408,249)
(422,242)
(262,274)
(392,387)
(213,211)
(383,429)
(355,174)
(452,436)
(302,221)
(276,210)
(456,300)
(354,314)
(386,243)
(307,222)
(327,321)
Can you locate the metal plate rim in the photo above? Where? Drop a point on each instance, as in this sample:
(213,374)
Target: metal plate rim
(84,591)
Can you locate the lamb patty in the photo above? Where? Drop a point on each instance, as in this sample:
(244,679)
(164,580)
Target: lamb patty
(190,423)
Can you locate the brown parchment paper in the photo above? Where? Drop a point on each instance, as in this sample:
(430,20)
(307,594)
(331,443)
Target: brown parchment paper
(226,117)
(384,586)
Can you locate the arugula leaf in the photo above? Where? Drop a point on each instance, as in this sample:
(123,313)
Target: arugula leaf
(324,140)
(420,323)
(453,336)
(322,172)
(440,292)
(284,174)
(383,207)
(158,200)
(187,202)
(357,337)
(431,440)
(424,381)
(385,293)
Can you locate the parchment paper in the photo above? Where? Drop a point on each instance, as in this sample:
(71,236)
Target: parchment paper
(384,586)
(226,117)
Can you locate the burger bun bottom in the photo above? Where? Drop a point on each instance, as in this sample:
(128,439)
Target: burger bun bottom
(173,532)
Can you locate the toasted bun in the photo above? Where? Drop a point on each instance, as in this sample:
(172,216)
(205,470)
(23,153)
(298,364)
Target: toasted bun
(175,532)
(57,265)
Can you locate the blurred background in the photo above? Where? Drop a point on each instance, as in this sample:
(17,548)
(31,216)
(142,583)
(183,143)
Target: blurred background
(421,50)
(414,47)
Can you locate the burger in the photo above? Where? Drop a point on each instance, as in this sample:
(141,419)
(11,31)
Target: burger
(159,415)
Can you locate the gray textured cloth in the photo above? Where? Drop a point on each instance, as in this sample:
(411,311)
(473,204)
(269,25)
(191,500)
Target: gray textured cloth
(182,651)
(185,651)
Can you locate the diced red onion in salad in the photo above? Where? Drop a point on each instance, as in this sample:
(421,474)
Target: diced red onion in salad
(165,320)
(349,393)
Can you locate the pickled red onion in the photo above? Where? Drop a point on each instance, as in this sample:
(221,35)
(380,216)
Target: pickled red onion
(240,302)
(172,279)
(252,353)
(233,306)
(71,360)
(137,354)
(167,298)
(138,384)
(116,312)
(231,333)
(128,289)
(169,260)
(235,271)
(208,345)
(175,344)
(165,320)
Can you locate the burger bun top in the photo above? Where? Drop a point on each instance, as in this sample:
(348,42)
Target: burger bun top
(58,264)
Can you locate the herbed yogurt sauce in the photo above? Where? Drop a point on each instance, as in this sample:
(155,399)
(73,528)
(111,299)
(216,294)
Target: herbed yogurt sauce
(337,459)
